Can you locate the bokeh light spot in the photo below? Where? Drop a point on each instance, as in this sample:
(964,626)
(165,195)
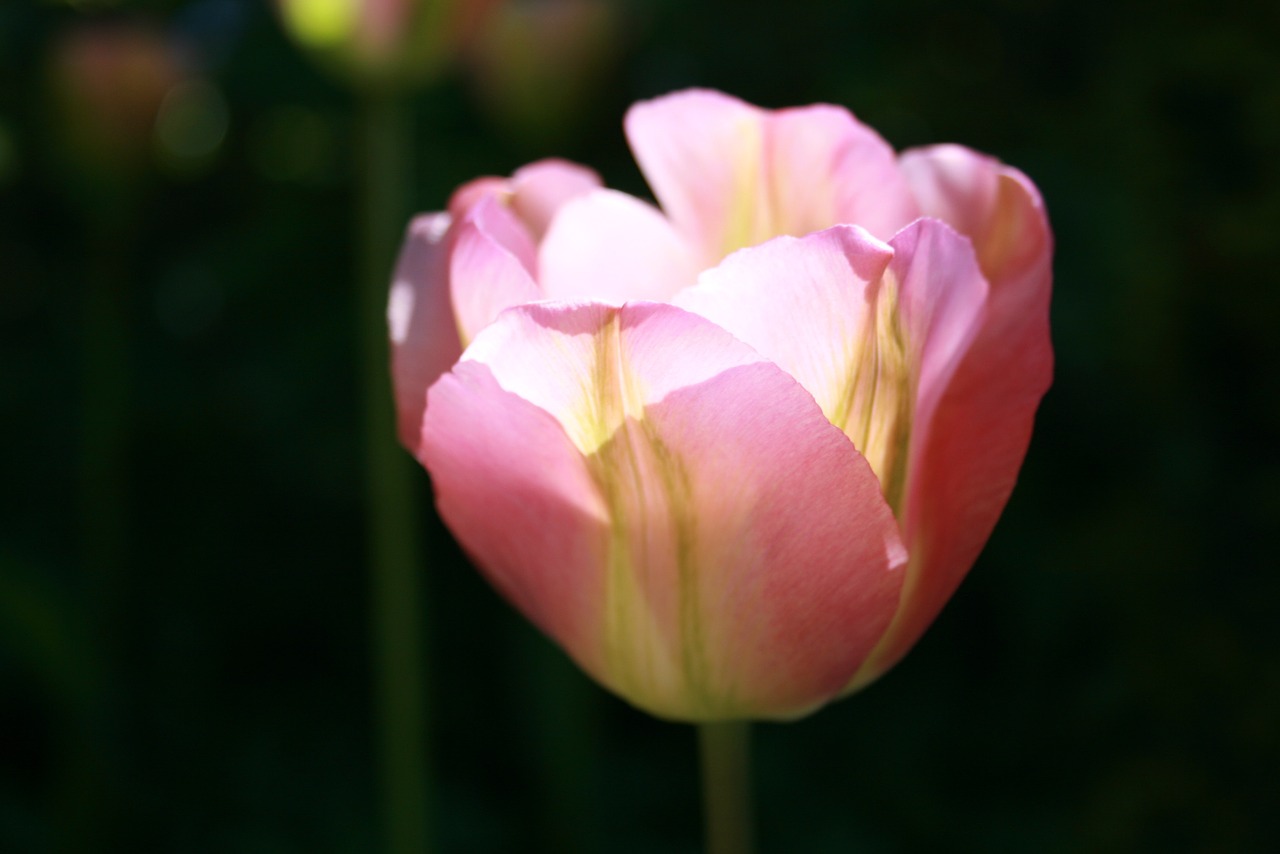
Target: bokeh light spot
(320,23)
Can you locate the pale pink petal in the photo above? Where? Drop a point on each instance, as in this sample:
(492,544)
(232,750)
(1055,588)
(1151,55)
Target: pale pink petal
(995,205)
(746,563)
(825,168)
(473,192)
(500,223)
(964,473)
(612,247)
(485,276)
(702,154)
(802,302)
(732,175)
(873,331)
(424,337)
(824,308)
(942,300)
(532,194)
(540,189)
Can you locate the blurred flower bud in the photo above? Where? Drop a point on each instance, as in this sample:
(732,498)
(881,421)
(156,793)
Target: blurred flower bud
(540,61)
(383,42)
(109,83)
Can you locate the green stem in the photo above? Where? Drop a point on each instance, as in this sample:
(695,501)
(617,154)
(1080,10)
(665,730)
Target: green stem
(726,786)
(95,716)
(400,660)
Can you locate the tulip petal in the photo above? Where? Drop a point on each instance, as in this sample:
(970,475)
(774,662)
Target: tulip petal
(485,274)
(701,152)
(996,206)
(869,329)
(964,472)
(540,189)
(802,302)
(475,191)
(817,306)
(828,168)
(942,298)
(424,337)
(732,175)
(497,458)
(612,247)
(716,548)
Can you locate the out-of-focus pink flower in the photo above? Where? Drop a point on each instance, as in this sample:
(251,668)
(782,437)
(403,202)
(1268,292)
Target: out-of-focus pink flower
(735,454)
(384,41)
(539,63)
(109,82)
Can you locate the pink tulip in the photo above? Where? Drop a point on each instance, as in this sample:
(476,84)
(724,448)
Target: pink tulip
(734,474)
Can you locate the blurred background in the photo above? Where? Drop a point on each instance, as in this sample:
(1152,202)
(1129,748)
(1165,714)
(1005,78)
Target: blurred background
(190,657)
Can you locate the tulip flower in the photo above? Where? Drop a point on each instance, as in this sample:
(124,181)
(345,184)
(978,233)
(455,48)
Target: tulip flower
(733,454)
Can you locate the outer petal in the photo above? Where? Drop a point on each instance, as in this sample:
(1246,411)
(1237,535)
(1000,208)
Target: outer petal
(965,471)
(485,275)
(514,490)
(733,175)
(424,337)
(612,247)
(715,549)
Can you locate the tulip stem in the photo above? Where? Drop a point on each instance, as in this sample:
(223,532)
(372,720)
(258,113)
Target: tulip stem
(400,659)
(726,786)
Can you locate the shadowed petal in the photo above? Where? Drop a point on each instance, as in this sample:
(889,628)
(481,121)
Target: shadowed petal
(424,337)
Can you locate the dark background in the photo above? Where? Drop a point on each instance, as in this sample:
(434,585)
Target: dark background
(185,654)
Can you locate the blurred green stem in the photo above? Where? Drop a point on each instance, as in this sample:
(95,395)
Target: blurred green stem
(94,706)
(400,665)
(726,786)
(105,425)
